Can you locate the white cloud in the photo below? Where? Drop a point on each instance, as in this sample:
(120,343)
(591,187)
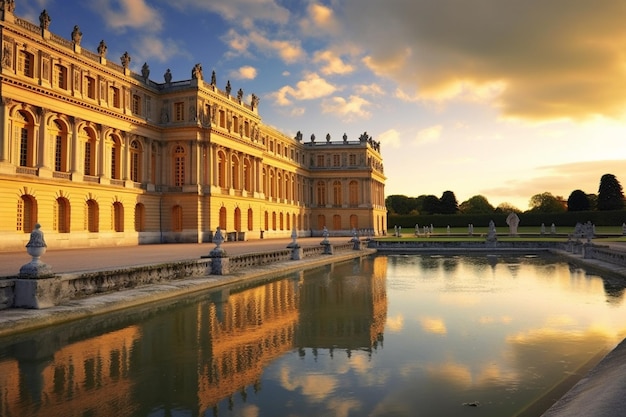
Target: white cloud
(311,87)
(429,135)
(332,63)
(152,48)
(319,21)
(123,14)
(243,12)
(290,51)
(369,89)
(353,107)
(390,138)
(244,73)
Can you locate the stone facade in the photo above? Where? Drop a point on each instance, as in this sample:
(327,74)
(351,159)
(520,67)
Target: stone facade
(102,156)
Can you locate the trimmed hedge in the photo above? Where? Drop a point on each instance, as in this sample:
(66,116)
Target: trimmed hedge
(570,218)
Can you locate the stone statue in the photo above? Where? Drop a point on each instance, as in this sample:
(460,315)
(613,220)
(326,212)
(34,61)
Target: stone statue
(328,137)
(513,221)
(102,49)
(240,94)
(213,78)
(345,138)
(125,59)
(228,87)
(7,57)
(312,137)
(363,138)
(299,139)
(9,6)
(168,76)
(44,20)
(196,72)
(255,101)
(145,71)
(77,35)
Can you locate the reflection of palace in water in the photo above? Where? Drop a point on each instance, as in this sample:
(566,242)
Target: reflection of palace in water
(197,354)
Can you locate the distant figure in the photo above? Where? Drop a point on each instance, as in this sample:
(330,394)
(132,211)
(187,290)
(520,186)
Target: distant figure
(513,221)
(77,35)
(145,71)
(44,20)
(125,59)
(102,49)
(168,76)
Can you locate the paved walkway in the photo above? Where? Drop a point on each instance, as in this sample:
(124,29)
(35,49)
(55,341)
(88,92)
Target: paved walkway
(94,259)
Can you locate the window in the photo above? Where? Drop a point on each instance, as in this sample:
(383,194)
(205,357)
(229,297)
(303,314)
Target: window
(179,166)
(140,217)
(93,216)
(336,222)
(352,160)
(353,189)
(222,121)
(354,222)
(321,193)
(179,112)
(247,175)
(321,221)
(118,217)
(63,215)
(26,64)
(116,171)
(135,161)
(234,165)
(337,200)
(26,214)
(336,160)
(238,219)
(91,88)
(58,153)
(24,147)
(177,218)
(221,169)
(320,160)
(60,76)
(115,97)
(235,124)
(223,218)
(250,219)
(136,104)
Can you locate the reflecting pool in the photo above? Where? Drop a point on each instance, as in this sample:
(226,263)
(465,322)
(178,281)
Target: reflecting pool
(380,336)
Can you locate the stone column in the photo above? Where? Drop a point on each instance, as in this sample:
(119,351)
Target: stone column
(5,130)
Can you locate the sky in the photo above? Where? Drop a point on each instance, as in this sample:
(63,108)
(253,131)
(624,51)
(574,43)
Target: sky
(500,98)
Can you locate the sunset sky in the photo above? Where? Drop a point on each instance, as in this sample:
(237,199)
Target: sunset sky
(504,98)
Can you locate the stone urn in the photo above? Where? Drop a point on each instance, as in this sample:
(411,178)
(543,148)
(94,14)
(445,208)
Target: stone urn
(35,247)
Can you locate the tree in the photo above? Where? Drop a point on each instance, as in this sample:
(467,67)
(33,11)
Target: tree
(610,195)
(477,204)
(448,203)
(507,208)
(578,201)
(397,204)
(430,205)
(546,203)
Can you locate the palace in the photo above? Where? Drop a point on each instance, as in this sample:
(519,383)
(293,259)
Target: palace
(102,156)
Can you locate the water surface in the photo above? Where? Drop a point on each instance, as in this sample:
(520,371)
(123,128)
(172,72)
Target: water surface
(382,336)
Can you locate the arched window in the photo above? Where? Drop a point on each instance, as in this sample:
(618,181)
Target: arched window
(26,213)
(177,218)
(250,219)
(336,222)
(63,215)
(321,193)
(337,200)
(273,220)
(89,159)
(288,221)
(321,221)
(61,157)
(267,221)
(221,169)
(223,218)
(140,217)
(179,166)
(354,222)
(237,219)
(234,166)
(135,161)
(25,129)
(93,216)
(118,217)
(353,188)
(116,157)
(247,175)
(282,224)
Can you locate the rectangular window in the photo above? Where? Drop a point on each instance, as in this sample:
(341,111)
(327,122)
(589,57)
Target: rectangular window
(58,153)
(352,160)
(134,166)
(87,158)
(23,147)
(136,104)
(91,88)
(60,73)
(336,160)
(26,64)
(320,160)
(179,112)
(115,97)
